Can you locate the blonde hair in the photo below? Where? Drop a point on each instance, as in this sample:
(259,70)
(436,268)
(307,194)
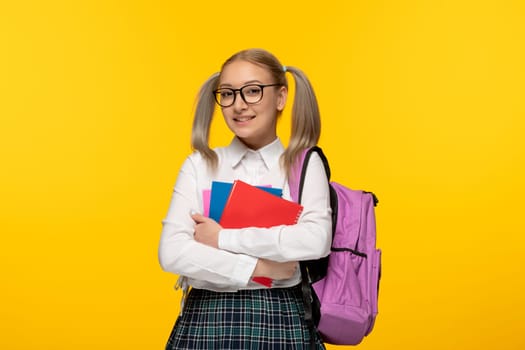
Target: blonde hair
(306,120)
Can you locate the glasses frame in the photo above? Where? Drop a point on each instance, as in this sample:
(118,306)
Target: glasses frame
(262,86)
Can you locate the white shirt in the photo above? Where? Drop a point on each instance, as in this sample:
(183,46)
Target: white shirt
(230,267)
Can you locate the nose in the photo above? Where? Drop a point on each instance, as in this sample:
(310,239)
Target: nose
(239,103)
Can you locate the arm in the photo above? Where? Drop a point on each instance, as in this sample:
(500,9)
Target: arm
(310,238)
(207,231)
(180,253)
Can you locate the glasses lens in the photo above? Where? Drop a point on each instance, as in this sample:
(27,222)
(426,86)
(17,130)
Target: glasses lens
(225,97)
(252,93)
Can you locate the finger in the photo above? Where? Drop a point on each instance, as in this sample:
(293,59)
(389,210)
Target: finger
(198,217)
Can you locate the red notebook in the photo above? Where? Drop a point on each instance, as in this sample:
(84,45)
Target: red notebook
(249,206)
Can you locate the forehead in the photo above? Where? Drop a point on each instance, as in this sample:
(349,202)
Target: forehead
(239,73)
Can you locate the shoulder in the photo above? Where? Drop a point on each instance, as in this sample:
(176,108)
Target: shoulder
(226,155)
(318,157)
(194,158)
(194,163)
(197,158)
(317,167)
(314,160)
(197,163)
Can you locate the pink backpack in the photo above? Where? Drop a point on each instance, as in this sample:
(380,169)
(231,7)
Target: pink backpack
(341,290)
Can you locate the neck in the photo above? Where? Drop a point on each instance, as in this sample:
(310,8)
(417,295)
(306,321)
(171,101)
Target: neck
(254,145)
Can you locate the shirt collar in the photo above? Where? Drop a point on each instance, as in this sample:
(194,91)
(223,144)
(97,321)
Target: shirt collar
(270,153)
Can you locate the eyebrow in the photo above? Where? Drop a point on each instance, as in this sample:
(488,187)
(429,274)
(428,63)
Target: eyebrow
(244,84)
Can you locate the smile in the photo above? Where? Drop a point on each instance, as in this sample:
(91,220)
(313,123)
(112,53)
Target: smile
(243,119)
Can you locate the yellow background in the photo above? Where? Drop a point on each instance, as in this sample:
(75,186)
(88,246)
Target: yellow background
(422,102)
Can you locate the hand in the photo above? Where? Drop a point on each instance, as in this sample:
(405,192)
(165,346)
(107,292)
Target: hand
(275,270)
(206,230)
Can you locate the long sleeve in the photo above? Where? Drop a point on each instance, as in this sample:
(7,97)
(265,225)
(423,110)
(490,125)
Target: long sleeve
(179,253)
(310,238)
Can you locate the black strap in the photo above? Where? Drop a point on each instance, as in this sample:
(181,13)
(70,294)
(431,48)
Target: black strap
(307,156)
(308,300)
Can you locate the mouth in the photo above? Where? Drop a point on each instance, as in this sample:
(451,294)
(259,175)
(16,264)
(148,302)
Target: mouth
(242,119)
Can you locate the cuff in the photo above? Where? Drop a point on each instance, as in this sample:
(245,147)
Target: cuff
(243,271)
(227,240)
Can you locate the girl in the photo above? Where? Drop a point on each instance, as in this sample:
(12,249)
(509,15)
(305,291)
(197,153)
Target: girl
(225,309)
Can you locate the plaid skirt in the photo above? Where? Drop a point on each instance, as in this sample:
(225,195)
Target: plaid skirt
(262,319)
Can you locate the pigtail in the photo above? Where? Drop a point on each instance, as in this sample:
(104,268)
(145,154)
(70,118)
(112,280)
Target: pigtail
(306,119)
(202,121)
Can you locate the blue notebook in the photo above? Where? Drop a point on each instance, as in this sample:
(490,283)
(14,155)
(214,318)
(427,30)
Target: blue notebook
(220,191)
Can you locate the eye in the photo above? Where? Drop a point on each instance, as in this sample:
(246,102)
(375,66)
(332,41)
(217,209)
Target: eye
(252,90)
(225,93)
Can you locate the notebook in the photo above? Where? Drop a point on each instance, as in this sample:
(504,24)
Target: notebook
(249,206)
(220,192)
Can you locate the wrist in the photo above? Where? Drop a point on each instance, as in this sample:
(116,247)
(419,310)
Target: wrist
(260,268)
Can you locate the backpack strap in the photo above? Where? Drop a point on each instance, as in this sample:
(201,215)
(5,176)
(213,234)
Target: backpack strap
(298,174)
(296,183)
(316,269)
(311,304)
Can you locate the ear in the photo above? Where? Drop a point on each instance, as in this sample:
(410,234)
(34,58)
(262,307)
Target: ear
(281,98)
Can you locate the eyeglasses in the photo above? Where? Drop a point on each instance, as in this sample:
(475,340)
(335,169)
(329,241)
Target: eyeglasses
(251,93)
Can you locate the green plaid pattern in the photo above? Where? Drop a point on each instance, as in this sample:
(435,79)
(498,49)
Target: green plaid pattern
(261,319)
